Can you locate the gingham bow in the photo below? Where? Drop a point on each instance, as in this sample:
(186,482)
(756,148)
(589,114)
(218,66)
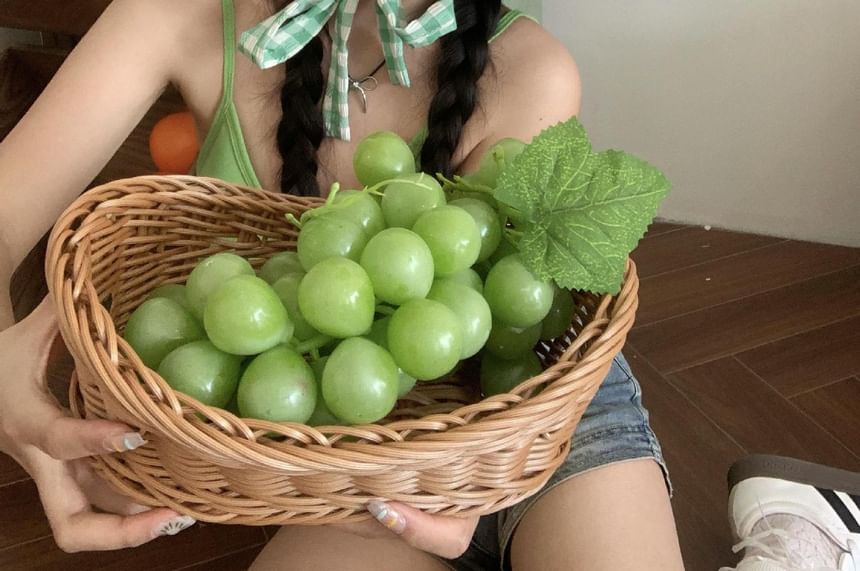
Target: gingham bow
(283,35)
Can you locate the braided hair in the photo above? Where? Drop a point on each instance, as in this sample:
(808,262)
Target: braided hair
(464,58)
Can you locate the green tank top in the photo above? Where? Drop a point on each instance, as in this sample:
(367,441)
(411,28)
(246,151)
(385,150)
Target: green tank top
(224,154)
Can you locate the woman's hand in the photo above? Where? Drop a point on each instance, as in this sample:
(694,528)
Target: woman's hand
(35,431)
(447,537)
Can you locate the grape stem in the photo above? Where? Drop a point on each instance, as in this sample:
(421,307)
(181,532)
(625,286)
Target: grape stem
(313,344)
(293,220)
(461,183)
(375,188)
(383,309)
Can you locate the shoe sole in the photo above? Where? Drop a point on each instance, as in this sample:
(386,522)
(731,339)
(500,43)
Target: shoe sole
(767,466)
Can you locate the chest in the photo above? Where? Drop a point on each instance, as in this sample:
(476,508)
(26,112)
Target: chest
(257,101)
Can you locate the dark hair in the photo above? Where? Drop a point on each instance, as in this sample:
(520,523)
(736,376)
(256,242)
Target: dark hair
(464,58)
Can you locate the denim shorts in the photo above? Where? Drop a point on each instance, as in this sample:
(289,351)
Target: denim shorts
(614,428)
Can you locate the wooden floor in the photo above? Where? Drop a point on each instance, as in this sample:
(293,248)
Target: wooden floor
(743,344)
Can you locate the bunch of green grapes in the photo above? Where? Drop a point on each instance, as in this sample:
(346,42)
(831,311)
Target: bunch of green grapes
(384,290)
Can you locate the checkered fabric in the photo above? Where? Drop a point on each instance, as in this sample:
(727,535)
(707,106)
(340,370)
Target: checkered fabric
(283,35)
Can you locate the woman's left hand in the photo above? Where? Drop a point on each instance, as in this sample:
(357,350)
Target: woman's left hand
(445,536)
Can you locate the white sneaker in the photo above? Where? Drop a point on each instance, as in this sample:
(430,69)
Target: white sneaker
(791,515)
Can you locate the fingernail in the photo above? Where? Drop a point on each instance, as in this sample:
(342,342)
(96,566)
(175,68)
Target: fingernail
(387,516)
(124,442)
(175,525)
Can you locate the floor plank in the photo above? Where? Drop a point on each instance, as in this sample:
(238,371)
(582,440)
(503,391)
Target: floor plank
(21,518)
(199,543)
(722,330)
(10,471)
(698,456)
(835,407)
(234,562)
(810,359)
(757,416)
(657,228)
(728,279)
(691,246)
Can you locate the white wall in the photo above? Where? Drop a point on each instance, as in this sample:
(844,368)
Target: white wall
(751,107)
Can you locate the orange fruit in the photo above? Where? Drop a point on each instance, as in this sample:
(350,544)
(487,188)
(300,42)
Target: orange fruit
(173,143)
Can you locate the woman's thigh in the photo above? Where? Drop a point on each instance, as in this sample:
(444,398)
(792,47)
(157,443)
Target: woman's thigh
(612,518)
(297,548)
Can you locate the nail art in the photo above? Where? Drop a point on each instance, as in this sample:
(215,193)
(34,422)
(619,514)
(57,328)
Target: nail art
(124,442)
(175,525)
(387,516)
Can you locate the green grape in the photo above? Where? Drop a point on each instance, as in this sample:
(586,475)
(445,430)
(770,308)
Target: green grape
(404,201)
(176,292)
(487,219)
(452,236)
(505,249)
(203,372)
(321,416)
(496,159)
(336,298)
(359,383)
(278,386)
(287,289)
(362,208)
(560,315)
(210,274)
(482,269)
(382,156)
(399,264)
(157,327)
(330,236)
(425,338)
(245,317)
(471,309)
(318,366)
(468,277)
(485,197)
(280,265)
(379,335)
(515,296)
(379,332)
(506,342)
(502,375)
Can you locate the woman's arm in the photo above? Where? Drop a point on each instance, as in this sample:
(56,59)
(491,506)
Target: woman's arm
(98,96)
(87,111)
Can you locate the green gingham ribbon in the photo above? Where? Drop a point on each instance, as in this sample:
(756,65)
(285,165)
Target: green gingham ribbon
(284,34)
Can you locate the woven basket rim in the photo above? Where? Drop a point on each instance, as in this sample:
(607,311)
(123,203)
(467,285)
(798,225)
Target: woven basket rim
(226,428)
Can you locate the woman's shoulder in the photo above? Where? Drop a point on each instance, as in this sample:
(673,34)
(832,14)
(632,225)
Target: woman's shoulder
(188,29)
(538,82)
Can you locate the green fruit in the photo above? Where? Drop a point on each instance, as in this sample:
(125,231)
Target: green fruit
(501,376)
(382,156)
(212,273)
(159,326)
(203,372)
(280,265)
(278,386)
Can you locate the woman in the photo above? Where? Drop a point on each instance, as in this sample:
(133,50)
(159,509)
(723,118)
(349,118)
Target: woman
(494,77)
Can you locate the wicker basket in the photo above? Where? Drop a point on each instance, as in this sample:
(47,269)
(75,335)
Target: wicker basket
(443,449)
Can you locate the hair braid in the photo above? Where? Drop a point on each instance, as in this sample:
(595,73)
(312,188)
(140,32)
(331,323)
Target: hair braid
(465,56)
(301,130)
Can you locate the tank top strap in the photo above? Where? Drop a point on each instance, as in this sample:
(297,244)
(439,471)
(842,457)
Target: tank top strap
(506,20)
(229,17)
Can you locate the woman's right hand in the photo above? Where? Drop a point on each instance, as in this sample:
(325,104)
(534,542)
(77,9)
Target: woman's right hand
(37,433)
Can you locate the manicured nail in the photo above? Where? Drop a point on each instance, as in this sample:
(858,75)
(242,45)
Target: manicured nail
(385,515)
(175,525)
(124,442)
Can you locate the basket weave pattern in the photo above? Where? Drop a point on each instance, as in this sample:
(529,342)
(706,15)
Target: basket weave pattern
(443,449)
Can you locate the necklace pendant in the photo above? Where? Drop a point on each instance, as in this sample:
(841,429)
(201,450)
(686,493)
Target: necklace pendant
(358,86)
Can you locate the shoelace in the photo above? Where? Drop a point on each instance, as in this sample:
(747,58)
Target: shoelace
(771,544)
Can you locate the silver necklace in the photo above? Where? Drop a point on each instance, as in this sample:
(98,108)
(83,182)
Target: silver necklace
(365,85)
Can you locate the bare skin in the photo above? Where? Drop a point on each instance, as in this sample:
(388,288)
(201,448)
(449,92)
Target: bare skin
(100,94)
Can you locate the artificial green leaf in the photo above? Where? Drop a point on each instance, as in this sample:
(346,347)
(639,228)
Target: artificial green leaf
(579,214)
